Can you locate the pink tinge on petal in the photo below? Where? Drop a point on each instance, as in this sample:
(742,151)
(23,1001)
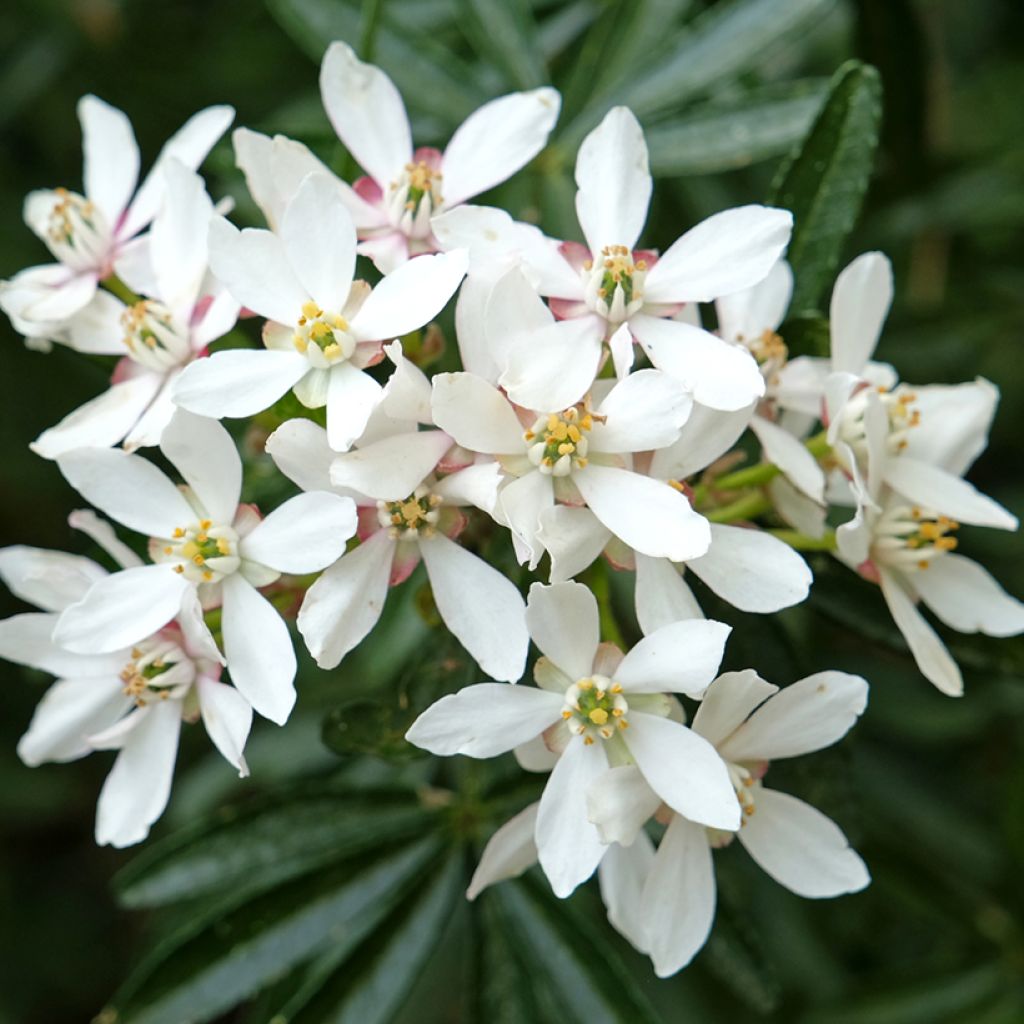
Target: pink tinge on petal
(430,156)
(567,309)
(367,522)
(556,737)
(454,459)
(367,353)
(607,659)
(620,555)
(407,557)
(649,256)
(869,571)
(247,518)
(245,313)
(452,522)
(126,369)
(575,254)
(368,190)
(199,309)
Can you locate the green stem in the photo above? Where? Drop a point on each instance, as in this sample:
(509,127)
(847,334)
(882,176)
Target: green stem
(803,542)
(117,287)
(600,587)
(368,36)
(750,506)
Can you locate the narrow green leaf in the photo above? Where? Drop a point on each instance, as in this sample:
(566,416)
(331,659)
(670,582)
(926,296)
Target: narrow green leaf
(266,847)
(204,970)
(558,31)
(504,33)
(824,183)
(369,987)
(753,126)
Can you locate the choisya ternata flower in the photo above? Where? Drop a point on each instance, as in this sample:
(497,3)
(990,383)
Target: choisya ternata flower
(205,548)
(595,708)
(133,700)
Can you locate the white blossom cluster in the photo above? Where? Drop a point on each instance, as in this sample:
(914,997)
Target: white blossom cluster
(593,416)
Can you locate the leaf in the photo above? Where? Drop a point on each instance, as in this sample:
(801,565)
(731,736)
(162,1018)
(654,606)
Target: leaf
(258,849)
(753,126)
(559,30)
(504,33)
(825,182)
(584,976)
(429,76)
(726,41)
(369,987)
(732,955)
(208,967)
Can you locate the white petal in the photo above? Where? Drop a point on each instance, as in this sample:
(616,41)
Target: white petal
(706,435)
(684,770)
(352,395)
(189,145)
(122,609)
(42,295)
(252,157)
(102,533)
(508,853)
(568,845)
(521,504)
(71,710)
(752,570)
(729,700)
(930,653)
(27,639)
(535,756)
(475,485)
(111,157)
(720,374)
(305,534)
(391,469)
(51,580)
(563,623)
(344,604)
(407,392)
(662,595)
(955,421)
(967,598)
(648,515)
(730,251)
(619,804)
(497,140)
(622,874)
(784,450)
(797,509)
(614,182)
(573,537)
(554,367)
(801,848)
(941,491)
(253,266)
(259,650)
(300,450)
(682,657)
(484,720)
(128,489)
(644,411)
(138,787)
(320,241)
(746,315)
(408,297)
(367,112)
(476,414)
(149,427)
(678,901)
(481,607)
(860,304)
(203,453)
(809,715)
(239,382)
(228,719)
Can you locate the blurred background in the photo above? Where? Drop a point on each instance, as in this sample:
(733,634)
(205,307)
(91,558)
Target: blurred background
(930,790)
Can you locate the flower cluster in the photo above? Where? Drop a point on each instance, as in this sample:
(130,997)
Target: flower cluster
(596,414)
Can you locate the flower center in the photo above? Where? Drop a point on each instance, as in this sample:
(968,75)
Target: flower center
(159,670)
(900,409)
(203,552)
(76,231)
(595,707)
(323,338)
(414,198)
(417,514)
(746,781)
(152,336)
(557,441)
(613,283)
(911,537)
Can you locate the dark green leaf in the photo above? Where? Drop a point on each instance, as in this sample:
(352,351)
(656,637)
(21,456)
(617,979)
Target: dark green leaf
(209,967)
(753,126)
(825,182)
(556,32)
(503,31)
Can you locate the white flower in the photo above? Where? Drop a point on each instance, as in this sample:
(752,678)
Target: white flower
(595,708)
(132,700)
(157,336)
(612,293)
(405,189)
(409,497)
(94,235)
(323,328)
(582,456)
(205,547)
(750,723)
